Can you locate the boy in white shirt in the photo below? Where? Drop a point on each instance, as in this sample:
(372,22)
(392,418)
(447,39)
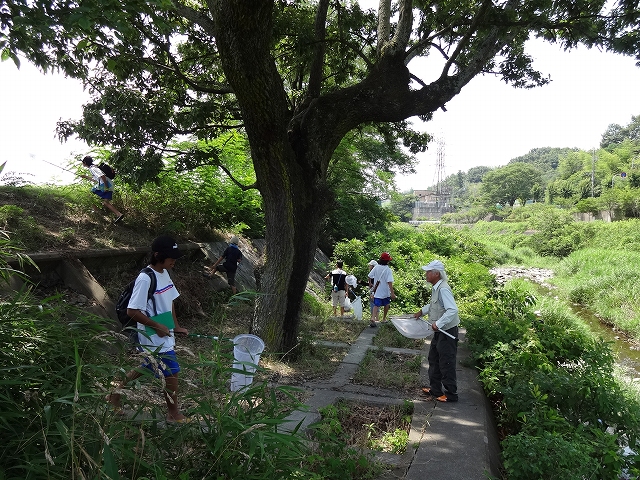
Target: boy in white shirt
(158,340)
(382,292)
(103,187)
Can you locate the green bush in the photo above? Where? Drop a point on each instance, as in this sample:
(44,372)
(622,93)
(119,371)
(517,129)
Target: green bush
(14,220)
(410,248)
(549,455)
(194,203)
(557,400)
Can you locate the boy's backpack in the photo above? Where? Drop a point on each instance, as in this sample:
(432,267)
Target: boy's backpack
(107,170)
(123,301)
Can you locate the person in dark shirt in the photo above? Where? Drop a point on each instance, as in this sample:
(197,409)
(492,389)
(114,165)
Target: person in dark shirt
(232,256)
(339,287)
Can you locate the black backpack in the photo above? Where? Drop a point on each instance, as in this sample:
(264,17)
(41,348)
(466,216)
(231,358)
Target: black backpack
(123,301)
(107,170)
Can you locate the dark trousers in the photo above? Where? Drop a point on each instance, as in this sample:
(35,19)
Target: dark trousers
(442,364)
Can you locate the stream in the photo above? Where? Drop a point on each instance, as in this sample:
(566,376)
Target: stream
(628,354)
(626,350)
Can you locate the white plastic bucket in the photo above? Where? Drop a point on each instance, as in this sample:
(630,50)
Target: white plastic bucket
(356,306)
(246,348)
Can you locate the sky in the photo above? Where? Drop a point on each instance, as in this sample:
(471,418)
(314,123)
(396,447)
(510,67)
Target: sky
(487,124)
(490,122)
(31,105)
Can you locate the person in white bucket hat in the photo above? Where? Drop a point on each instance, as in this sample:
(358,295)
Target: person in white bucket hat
(442,313)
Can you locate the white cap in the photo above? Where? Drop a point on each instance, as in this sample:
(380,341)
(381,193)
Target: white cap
(351,280)
(435,265)
(372,263)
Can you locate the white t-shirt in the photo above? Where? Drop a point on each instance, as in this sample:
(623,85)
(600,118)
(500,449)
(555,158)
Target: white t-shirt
(97,176)
(164,296)
(384,275)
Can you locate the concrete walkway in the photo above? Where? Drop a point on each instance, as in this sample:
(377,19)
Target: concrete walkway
(451,441)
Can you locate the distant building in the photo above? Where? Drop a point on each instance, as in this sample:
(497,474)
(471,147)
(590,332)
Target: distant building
(431,204)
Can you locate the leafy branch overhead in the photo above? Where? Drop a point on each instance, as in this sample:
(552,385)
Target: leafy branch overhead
(156,71)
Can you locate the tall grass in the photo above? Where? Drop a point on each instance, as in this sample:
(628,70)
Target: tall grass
(57,366)
(602,275)
(58,363)
(607,282)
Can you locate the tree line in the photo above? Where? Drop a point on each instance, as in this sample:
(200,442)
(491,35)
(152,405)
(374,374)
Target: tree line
(603,179)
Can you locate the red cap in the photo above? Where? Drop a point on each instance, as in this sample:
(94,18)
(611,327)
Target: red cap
(385,256)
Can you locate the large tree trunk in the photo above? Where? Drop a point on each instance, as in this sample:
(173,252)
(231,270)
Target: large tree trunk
(290,181)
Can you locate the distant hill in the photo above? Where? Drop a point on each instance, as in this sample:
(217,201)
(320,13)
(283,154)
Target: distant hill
(545,159)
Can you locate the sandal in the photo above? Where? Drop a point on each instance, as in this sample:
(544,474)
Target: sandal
(445,399)
(427,391)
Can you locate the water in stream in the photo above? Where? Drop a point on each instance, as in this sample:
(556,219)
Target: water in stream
(628,353)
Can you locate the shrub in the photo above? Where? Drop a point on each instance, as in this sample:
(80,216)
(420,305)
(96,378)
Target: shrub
(552,385)
(548,455)
(13,219)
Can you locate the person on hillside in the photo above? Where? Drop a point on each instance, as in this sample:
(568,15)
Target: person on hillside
(339,287)
(157,324)
(103,187)
(442,313)
(371,264)
(232,256)
(382,288)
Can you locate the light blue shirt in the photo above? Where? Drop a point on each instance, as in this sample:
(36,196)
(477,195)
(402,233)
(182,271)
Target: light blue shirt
(450,314)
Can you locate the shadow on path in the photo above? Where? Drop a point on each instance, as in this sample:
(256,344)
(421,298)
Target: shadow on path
(452,441)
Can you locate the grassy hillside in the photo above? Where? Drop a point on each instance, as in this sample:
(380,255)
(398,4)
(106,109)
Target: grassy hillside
(42,218)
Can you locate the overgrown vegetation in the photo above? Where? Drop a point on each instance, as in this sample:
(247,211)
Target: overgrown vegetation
(591,257)
(551,383)
(70,430)
(386,427)
(558,405)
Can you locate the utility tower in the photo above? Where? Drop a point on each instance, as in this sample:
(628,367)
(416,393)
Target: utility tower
(439,174)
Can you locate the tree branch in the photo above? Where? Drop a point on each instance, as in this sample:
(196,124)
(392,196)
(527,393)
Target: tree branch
(464,41)
(195,17)
(402,35)
(320,29)
(384,21)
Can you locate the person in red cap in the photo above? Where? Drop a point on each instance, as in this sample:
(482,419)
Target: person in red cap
(382,292)
(157,325)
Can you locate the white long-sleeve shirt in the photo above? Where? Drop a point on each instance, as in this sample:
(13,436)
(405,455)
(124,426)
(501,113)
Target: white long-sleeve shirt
(450,316)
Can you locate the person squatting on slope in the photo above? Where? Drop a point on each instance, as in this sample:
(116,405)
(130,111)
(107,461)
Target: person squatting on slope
(232,256)
(103,187)
(442,313)
(382,291)
(339,287)
(157,324)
